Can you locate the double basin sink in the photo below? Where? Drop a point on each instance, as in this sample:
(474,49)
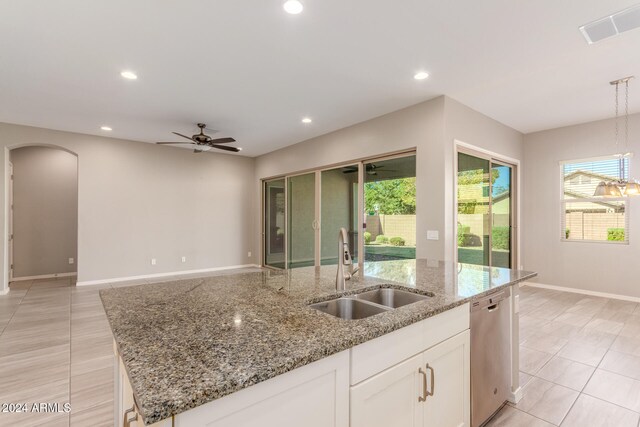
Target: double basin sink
(368,303)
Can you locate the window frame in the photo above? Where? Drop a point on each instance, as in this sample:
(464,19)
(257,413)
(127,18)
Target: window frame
(624,200)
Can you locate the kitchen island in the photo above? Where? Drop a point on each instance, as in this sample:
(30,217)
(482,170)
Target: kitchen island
(209,341)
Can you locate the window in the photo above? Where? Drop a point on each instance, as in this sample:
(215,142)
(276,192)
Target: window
(586,217)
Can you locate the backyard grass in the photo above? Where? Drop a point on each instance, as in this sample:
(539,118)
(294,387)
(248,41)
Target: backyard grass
(388,252)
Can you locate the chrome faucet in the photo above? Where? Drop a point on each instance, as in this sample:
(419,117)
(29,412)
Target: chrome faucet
(344,259)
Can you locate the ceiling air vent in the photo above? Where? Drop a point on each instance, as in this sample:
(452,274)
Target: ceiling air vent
(612,25)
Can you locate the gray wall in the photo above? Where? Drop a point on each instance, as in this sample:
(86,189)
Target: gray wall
(431,128)
(138,201)
(45,209)
(599,267)
(467,125)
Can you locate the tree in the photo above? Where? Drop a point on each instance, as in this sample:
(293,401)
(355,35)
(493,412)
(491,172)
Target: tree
(391,197)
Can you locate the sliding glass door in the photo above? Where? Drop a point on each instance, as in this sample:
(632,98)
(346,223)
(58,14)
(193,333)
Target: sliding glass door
(304,213)
(301,214)
(274,223)
(338,208)
(501,226)
(485,207)
(390,208)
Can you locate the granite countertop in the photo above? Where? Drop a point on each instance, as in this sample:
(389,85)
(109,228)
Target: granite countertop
(188,342)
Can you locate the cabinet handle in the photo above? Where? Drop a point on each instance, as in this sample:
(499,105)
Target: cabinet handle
(433,380)
(424,386)
(130,420)
(127,412)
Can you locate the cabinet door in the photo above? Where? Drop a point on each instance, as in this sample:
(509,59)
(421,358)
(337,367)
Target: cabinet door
(448,378)
(389,398)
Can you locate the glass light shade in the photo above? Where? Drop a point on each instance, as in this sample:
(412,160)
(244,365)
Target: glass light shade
(632,189)
(613,190)
(601,189)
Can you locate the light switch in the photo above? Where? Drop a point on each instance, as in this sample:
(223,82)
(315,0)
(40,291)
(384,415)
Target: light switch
(433,235)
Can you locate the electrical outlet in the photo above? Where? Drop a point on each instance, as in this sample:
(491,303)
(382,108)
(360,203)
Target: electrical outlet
(71,261)
(433,235)
(153,261)
(249,254)
(184,259)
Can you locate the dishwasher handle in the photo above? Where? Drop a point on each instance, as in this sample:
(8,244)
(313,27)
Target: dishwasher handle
(493,307)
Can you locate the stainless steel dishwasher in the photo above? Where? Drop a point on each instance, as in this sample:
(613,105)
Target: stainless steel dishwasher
(490,355)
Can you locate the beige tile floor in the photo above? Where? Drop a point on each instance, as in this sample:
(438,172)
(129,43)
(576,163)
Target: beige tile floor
(580,357)
(579,362)
(56,347)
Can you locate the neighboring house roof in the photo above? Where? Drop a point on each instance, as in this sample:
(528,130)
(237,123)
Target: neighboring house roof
(501,196)
(607,205)
(599,176)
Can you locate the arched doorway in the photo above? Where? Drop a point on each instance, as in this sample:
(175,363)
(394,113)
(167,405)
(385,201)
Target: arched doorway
(43,213)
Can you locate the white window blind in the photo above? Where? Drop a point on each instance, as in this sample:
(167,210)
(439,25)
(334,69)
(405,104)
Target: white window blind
(585,217)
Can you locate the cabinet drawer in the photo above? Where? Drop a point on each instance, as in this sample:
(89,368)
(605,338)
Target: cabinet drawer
(371,357)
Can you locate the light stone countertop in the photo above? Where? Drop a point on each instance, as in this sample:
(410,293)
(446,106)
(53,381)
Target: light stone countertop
(188,342)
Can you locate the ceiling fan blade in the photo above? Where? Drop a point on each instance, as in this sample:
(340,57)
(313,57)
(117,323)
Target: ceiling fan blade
(175,142)
(221,141)
(184,136)
(222,147)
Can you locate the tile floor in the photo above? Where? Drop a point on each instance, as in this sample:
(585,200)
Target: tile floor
(580,357)
(579,362)
(56,346)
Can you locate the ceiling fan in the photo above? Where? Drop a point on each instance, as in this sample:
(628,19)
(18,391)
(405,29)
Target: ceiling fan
(370,169)
(204,142)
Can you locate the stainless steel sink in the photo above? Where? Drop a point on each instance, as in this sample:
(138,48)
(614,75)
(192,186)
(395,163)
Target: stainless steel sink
(390,297)
(349,308)
(369,303)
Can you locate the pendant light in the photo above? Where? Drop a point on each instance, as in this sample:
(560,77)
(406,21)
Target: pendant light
(621,187)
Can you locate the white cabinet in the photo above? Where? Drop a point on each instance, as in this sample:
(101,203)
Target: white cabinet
(389,398)
(314,395)
(429,389)
(449,365)
(413,377)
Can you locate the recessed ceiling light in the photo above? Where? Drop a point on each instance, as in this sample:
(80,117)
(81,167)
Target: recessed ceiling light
(421,75)
(129,75)
(306,120)
(107,128)
(293,7)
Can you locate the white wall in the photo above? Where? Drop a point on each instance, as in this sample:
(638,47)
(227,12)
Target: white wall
(45,211)
(599,267)
(138,201)
(431,128)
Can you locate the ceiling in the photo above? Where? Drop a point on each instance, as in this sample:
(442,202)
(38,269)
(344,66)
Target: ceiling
(252,71)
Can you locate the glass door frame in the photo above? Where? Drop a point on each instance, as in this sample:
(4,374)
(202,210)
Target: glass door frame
(318,207)
(514,221)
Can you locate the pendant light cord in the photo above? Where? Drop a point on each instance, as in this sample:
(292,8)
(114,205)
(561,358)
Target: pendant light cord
(626,115)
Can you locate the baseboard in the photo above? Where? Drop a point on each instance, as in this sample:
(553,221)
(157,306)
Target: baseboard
(515,396)
(581,291)
(42,276)
(158,275)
